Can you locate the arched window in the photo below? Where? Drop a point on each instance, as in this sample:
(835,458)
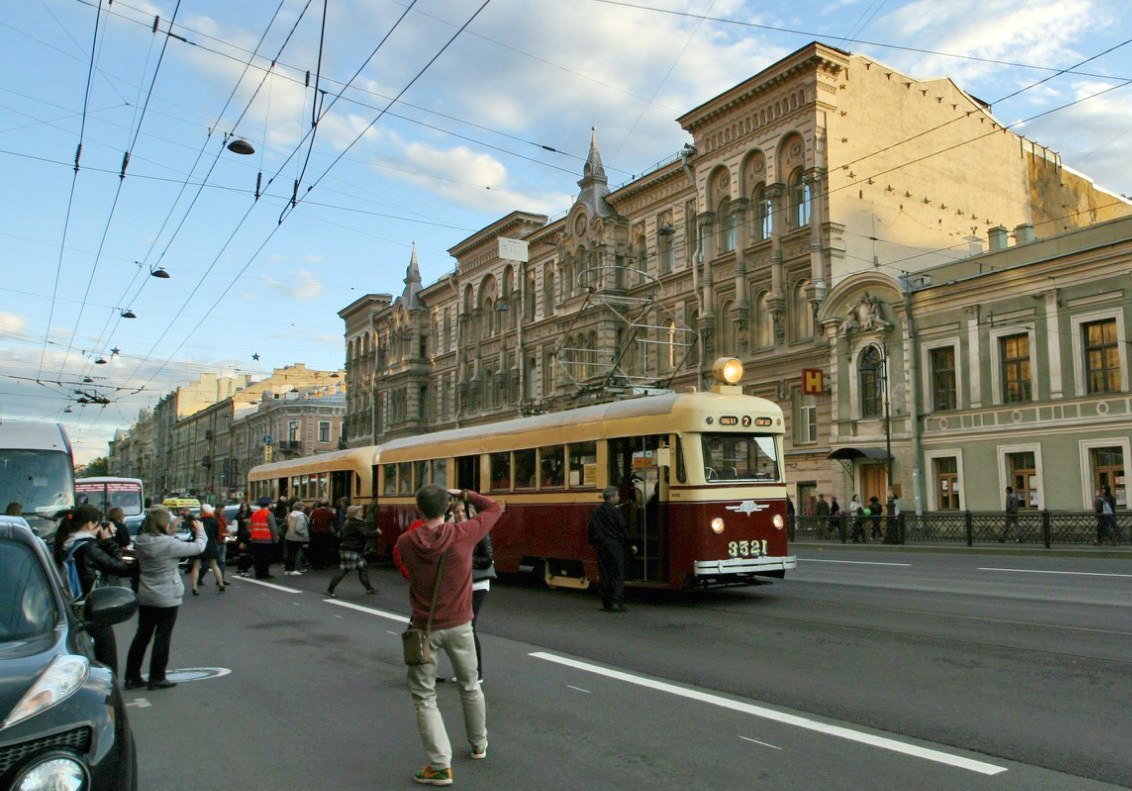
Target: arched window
(548,292)
(726,226)
(529,297)
(799,199)
(763,325)
(642,258)
(763,215)
(870,372)
(727,345)
(803,312)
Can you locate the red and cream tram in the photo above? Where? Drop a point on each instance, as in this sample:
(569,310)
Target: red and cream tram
(700,474)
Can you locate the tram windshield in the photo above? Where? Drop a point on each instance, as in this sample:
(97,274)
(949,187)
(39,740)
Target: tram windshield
(740,457)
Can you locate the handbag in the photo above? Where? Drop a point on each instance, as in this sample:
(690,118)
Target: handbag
(415,642)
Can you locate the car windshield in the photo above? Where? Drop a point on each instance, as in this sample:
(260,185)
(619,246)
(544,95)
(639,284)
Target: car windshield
(740,457)
(27,607)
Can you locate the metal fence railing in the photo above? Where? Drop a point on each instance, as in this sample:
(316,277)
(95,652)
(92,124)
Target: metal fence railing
(1036,528)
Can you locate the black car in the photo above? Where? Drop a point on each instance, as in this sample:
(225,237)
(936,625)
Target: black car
(63,723)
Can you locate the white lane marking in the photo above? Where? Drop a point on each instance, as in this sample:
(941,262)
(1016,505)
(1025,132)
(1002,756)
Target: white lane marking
(854,562)
(1044,571)
(578,689)
(836,731)
(392,616)
(764,744)
(140,703)
(272,585)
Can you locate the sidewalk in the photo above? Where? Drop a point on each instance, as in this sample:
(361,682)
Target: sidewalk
(1107,551)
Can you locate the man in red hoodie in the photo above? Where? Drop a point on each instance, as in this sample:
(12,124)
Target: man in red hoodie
(421,551)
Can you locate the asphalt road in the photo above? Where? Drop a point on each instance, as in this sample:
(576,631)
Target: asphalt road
(866,669)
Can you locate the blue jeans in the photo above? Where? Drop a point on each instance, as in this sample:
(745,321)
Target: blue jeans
(459,644)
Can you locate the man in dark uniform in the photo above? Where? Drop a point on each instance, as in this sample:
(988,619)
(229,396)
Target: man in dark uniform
(609,538)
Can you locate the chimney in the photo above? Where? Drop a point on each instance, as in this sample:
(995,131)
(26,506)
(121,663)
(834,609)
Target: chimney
(1024,233)
(997,236)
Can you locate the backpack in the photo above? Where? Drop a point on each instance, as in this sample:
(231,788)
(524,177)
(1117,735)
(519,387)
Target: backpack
(71,569)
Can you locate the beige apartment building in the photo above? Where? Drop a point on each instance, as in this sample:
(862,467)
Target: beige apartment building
(202,438)
(789,233)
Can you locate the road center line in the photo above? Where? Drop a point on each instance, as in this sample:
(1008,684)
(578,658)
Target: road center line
(272,585)
(756,741)
(836,731)
(392,616)
(853,562)
(1046,571)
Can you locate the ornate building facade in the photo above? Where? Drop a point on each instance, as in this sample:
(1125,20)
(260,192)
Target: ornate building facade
(789,233)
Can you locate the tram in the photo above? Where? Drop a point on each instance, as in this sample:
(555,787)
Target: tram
(327,476)
(700,474)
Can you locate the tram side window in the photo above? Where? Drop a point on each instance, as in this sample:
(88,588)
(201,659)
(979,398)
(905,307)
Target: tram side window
(390,486)
(583,464)
(525,469)
(421,468)
(440,472)
(405,478)
(553,466)
(500,471)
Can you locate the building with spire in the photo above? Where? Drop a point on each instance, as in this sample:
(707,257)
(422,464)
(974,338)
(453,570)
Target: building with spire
(812,201)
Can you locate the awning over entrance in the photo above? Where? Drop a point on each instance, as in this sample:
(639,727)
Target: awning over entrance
(852,454)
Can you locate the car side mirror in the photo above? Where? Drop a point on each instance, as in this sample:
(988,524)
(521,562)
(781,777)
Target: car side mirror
(107,606)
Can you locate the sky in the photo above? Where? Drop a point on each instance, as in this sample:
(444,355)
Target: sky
(434,119)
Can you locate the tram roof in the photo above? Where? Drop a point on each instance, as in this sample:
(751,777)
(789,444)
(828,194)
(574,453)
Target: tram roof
(333,459)
(670,404)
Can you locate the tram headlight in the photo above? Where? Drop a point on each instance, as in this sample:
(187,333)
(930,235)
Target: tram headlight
(779,522)
(727,370)
(717,525)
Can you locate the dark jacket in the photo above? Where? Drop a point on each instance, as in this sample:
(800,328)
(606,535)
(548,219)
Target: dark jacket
(355,533)
(93,556)
(607,526)
(483,560)
(421,551)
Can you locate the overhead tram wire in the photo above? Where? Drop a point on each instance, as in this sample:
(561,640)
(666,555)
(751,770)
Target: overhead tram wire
(121,182)
(144,261)
(818,36)
(649,102)
(310,132)
(240,224)
(1059,73)
(71,194)
(392,101)
(408,119)
(279,224)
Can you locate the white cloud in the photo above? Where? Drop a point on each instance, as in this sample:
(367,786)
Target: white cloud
(11,324)
(305,285)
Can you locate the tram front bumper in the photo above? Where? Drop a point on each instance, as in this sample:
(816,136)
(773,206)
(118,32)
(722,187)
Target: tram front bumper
(768,565)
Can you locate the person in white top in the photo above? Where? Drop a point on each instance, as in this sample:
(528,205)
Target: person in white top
(298,535)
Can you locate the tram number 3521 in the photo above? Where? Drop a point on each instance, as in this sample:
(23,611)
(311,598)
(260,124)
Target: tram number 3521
(746,549)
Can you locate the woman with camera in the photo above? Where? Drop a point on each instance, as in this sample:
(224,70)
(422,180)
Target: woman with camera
(89,541)
(159,593)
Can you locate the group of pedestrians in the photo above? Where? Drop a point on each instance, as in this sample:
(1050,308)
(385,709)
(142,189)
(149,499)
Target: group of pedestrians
(93,546)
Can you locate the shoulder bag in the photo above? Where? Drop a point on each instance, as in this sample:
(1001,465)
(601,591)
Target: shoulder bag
(418,651)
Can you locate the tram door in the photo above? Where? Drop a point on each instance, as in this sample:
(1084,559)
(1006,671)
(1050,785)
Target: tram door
(468,473)
(634,470)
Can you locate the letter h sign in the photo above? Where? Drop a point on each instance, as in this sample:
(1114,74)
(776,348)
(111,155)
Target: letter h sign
(813,381)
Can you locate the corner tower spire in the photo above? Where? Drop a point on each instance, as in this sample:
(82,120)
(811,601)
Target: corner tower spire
(594,184)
